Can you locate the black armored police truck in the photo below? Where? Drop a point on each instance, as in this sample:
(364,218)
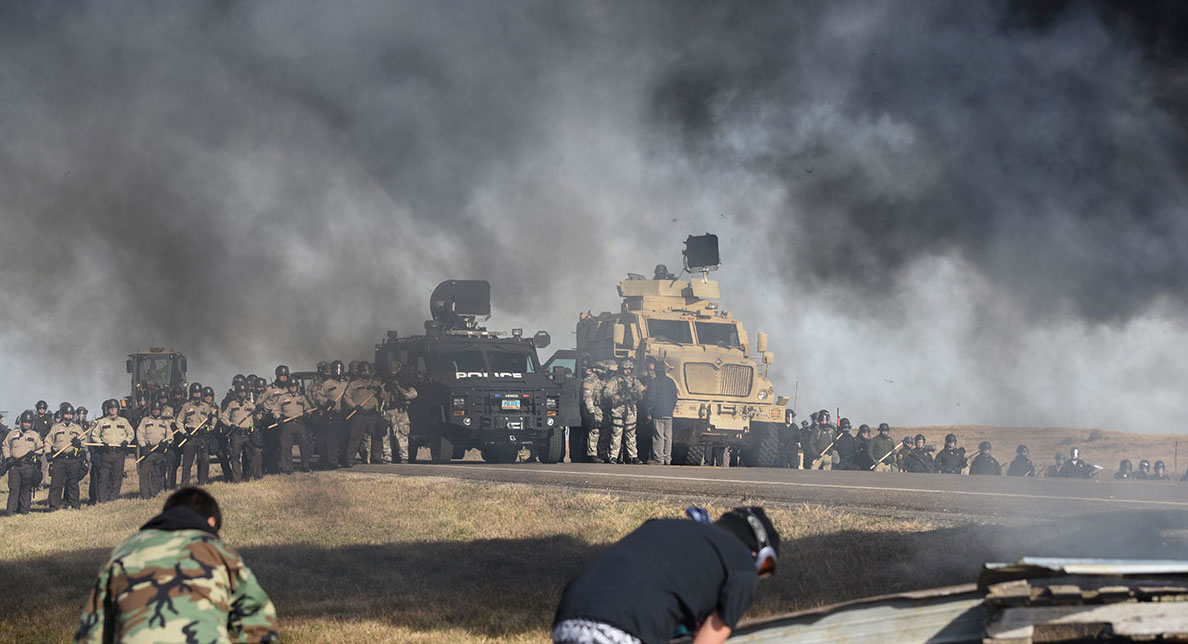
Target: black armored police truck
(477,389)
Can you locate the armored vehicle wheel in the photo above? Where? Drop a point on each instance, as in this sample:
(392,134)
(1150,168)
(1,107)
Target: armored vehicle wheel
(764,449)
(459,453)
(553,449)
(442,448)
(683,454)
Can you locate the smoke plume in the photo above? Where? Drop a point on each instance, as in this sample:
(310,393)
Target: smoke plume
(941,212)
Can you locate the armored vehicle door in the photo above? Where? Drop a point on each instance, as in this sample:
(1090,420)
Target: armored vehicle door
(565,368)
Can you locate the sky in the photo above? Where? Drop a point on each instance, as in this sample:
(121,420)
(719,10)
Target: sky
(941,213)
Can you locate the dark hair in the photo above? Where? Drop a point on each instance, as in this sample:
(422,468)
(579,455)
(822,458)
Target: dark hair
(198,500)
(735,522)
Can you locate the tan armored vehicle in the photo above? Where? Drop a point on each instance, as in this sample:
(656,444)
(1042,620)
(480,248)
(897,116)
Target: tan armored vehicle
(725,398)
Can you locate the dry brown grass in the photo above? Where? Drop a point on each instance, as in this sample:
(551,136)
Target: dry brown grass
(369,557)
(1103,447)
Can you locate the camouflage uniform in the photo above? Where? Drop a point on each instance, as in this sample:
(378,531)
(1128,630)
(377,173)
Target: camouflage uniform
(623,394)
(175,581)
(22,447)
(396,399)
(115,434)
(592,387)
(66,463)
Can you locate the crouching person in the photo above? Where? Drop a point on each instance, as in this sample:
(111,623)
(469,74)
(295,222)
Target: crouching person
(175,581)
(670,577)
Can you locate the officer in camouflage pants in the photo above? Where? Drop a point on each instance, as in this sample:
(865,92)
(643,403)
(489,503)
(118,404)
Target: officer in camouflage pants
(624,392)
(396,400)
(176,581)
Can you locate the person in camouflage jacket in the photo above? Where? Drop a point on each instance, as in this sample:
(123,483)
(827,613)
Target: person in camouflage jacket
(175,581)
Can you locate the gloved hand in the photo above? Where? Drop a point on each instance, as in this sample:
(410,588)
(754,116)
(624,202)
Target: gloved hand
(123,443)
(76,442)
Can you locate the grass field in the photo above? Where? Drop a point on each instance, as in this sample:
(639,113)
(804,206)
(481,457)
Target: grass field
(349,557)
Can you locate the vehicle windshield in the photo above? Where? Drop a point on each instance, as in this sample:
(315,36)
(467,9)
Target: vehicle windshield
(153,370)
(480,361)
(675,331)
(463,361)
(718,334)
(508,361)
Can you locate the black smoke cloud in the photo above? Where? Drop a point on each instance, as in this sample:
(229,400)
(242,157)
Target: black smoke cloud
(282,181)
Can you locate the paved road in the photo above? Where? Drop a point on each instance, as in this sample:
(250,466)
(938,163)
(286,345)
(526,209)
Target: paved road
(998,497)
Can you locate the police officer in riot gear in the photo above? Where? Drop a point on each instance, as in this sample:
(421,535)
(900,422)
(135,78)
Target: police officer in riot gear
(985,463)
(951,459)
(1022,465)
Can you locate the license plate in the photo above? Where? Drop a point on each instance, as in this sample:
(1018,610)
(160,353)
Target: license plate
(509,403)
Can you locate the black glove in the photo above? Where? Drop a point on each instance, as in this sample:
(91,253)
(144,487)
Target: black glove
(76,442)
(123,443)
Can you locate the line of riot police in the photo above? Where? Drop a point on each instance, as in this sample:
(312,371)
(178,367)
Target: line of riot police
(339,416)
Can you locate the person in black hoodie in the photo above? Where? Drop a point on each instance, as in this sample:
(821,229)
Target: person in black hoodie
(670,577)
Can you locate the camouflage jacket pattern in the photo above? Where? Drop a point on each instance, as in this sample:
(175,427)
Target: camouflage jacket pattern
(623,390)
(176,586)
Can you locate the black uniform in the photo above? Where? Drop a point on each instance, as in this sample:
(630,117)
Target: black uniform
(1021,466)
(846,448)
(951,461)
(919,461)
(985,464)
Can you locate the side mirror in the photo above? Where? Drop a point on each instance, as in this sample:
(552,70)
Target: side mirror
(183,365)
(620,333)
(768,357)
(762,346)
(542,339)
(128,364)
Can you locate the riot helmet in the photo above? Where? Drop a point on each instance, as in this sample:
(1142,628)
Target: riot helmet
(984,446)
(28,417)
(1074,453)
(156,409)
(1022,450)
(239,379)
(337,368)
(920,440)
(626,365)
(1160,468)
(884,428)
(110,404)
(41,407)
(1125,466)
(1144,465)
(67,411)
(950,439)
(208,392)
(195,390)
(844,424)
(282,373)
(81,412)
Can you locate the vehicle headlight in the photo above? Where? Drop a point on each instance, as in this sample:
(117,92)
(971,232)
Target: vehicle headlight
(550,403)
(458,402)
(550,421)
(763,394)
